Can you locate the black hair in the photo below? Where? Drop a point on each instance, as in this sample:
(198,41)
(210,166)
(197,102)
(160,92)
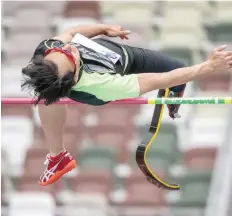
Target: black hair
(42,77)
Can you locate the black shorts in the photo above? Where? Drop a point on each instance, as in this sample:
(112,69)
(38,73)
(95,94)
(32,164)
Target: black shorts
(149,61)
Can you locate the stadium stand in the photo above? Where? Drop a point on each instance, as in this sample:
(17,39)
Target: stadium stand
(107,181)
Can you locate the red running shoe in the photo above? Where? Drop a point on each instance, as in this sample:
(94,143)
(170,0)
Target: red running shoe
(56,167)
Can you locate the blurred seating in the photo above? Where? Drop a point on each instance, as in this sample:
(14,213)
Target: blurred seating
(91,181)
(28,182)
(22,110)
(195,187)
(216,111)
(206,132)
(126,12)
(222,23)
(25,42)
(81,9)
(16,138)
(22,28)
(86,204)
(73,139)
(3,189)
(100,158)
(209,111)
(186,50)
(223,12)
(169,128)
(75,114)
(35,157)
(115,136)
(9,8)
(4,44)
(31,5)
(38,135)
(215,82)
(179,23)
(142,193)
(23,20)
(11,82)
(114,115)
(55,8)
(65,23)
(4,162)
(31,203)
(191,32)
(13,89)
(200,158)
(108,7)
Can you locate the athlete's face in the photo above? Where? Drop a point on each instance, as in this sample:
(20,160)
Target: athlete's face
(66,58)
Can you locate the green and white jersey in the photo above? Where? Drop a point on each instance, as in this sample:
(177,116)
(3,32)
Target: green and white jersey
(100,87)
(108,87)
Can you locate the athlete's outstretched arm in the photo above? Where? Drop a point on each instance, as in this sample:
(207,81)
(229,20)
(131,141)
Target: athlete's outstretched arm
(220,61)
(92,31)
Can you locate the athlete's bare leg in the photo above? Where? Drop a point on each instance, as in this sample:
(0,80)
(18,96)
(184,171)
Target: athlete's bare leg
(53,119)
(59,161)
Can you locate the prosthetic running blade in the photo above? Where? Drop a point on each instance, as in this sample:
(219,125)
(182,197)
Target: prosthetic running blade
(146,143)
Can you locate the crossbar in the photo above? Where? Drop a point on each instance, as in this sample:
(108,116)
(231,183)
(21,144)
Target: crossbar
(141,100)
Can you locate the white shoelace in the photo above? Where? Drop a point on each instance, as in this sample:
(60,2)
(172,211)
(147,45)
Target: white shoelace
(47,160)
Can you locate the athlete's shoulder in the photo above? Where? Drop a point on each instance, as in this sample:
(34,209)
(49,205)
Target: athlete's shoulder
(47,44)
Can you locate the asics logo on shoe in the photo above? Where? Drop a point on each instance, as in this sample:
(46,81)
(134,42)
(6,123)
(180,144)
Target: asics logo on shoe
(57,168)
(49,173)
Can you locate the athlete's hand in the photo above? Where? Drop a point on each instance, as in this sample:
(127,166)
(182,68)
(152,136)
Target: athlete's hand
(220,59)
(116,31)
